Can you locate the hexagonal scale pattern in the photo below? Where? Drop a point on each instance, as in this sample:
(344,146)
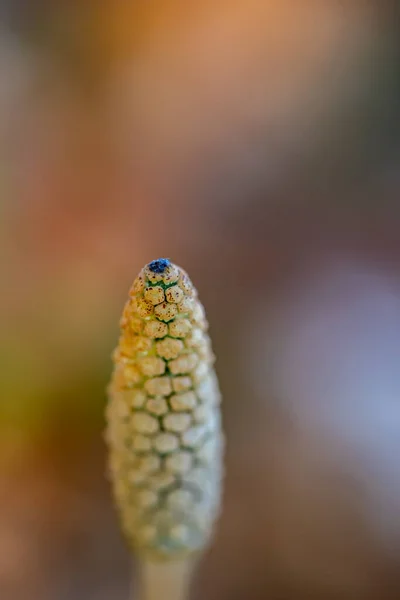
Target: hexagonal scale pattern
(163,421)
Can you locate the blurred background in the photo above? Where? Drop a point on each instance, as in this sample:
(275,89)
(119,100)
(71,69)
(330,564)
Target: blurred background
(255,143)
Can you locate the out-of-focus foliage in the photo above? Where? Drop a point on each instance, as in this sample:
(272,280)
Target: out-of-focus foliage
(256,144)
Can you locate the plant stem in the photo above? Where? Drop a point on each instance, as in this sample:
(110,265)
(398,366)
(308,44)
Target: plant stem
(164,581)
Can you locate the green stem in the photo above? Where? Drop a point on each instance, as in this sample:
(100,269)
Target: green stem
(164,581)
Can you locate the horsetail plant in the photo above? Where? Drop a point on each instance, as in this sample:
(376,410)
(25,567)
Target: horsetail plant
(164,430)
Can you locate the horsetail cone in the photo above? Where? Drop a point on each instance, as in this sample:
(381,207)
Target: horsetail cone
(163,419)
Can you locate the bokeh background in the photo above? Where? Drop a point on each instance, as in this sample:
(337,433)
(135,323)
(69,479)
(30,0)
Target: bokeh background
(255,143)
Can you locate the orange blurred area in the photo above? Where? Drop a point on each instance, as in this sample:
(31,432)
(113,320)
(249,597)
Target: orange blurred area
(256,144)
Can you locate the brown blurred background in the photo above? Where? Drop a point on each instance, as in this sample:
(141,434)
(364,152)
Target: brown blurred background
(255,143)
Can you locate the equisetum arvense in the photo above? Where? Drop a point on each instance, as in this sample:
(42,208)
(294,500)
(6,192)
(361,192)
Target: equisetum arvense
(163,418)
